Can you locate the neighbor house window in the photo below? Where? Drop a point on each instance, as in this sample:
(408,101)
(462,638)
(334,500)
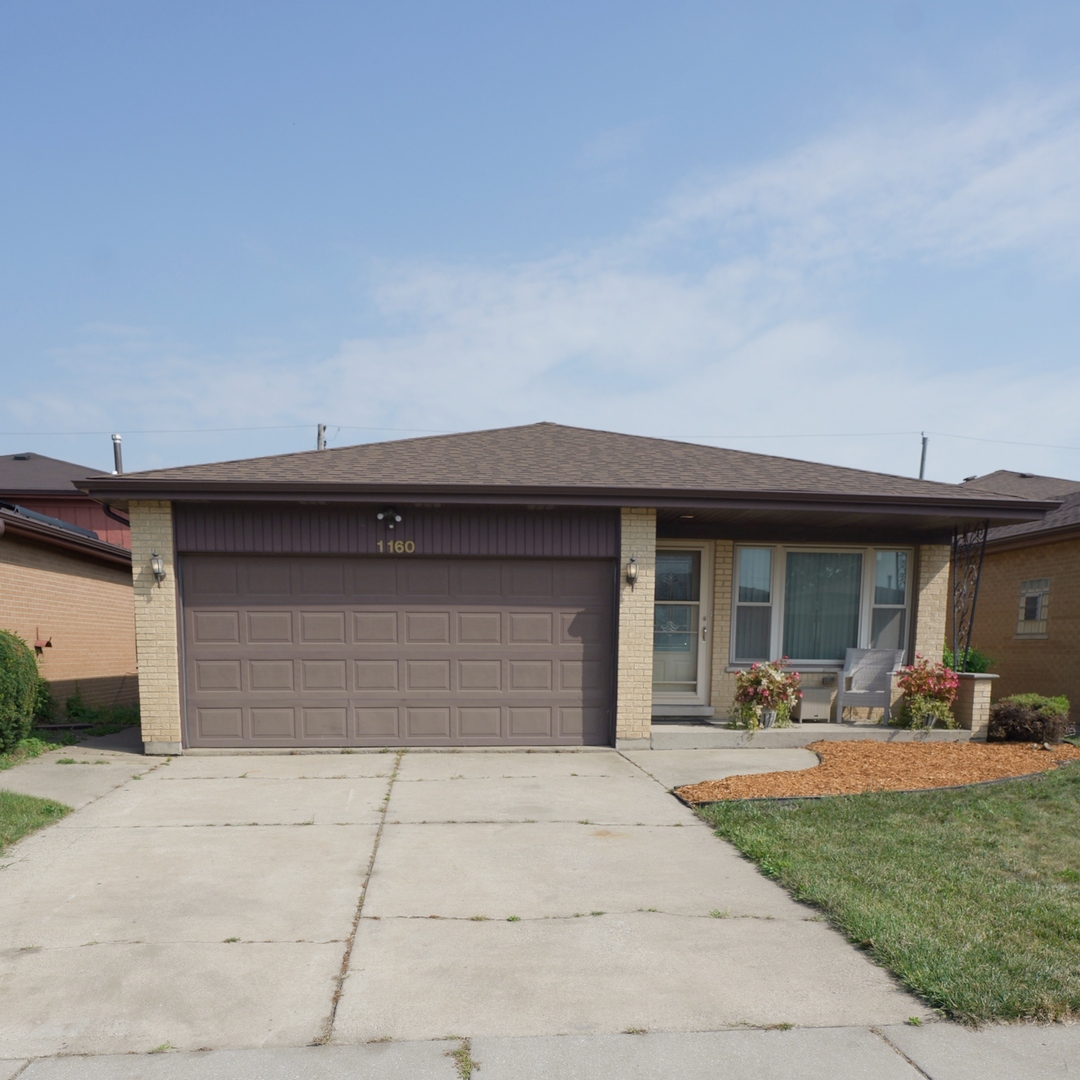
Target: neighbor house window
(812,605)
(1034,608)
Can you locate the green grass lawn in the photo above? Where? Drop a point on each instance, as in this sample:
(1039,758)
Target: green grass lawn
(22,814)
(971,897)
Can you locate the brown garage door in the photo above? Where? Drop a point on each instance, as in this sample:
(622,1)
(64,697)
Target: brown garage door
(324,651)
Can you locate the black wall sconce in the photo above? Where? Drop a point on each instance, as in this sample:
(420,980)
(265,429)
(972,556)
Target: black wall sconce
(631,572)
(157,567)
(390,516)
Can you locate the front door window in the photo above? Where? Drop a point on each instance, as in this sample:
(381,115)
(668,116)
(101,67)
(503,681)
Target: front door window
(676,622)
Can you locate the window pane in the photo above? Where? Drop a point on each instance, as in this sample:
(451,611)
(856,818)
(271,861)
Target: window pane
(887,629)
(678,575)
(890,577)
(755,575)
(753,628)
(821,604)
(1031,608)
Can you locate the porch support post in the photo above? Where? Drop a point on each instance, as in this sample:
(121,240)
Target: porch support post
(932,600)
(633,698)
(972,705)
(156,647)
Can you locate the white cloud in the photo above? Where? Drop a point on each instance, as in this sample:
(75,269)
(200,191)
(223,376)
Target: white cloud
(727,314)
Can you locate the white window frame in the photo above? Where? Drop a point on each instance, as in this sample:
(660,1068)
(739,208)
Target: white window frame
(779,576)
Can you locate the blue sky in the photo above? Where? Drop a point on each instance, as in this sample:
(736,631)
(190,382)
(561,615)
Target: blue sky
(809,229)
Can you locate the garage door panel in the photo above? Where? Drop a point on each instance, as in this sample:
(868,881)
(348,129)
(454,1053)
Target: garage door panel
(215,627)
(479,627)
(269,627)
(428,723)
(427,675)
(530,675)
(499,650)
(217,675)
(322,627)
(273,723)
(213,577)
(214,723)
(479,675)
(268,577)
(375,627)
(326,722)
(265,675)
(376,675)
(480,723)
(323,674)
(531,627)
(378,723)
(427,627)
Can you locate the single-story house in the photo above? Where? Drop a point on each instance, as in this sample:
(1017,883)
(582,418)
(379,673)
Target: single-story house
(69,595)
(536,585)
(1027,617)
(46,486)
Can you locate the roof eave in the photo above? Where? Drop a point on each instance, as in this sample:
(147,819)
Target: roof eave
(13,525)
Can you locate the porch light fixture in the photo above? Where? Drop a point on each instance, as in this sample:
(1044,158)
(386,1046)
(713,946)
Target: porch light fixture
(390,516)
(631,572)
(157,567)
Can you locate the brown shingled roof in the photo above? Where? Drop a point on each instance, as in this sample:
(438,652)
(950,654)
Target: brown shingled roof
(545,456)
(1065,519)
(30,472)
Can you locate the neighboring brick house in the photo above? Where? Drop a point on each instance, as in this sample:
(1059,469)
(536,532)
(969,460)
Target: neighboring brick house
(538,585)
(1028,613)
(69,595)
(46,486)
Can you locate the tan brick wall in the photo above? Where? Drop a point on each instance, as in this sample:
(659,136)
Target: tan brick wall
(84,607)
(1049,665)
(155,625)
(972,705)
(932,600)
(634,693)
(722,688)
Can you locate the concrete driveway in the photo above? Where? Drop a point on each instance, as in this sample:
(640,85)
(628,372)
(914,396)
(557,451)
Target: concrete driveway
(283,900)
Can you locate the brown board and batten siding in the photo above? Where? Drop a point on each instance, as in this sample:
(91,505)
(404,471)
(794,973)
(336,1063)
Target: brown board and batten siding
(354,530)
(490,628)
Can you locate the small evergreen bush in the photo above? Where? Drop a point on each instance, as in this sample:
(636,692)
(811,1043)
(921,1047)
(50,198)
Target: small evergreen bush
(978,662)
(1029,718)
(19,682)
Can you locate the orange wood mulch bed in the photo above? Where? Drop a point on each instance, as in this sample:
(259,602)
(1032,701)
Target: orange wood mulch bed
(850,767)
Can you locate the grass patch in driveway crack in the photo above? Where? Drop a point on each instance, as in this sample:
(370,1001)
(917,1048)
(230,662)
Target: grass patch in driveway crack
(964,895)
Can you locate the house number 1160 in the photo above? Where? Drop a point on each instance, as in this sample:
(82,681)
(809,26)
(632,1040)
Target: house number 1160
(395,547)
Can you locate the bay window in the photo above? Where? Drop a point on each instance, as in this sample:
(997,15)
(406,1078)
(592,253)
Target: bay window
(812,604)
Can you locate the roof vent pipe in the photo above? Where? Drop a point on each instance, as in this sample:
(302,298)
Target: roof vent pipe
(118,460)
(320,437)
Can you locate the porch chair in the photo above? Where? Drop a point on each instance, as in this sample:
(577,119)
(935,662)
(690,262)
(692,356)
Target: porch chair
(870,672)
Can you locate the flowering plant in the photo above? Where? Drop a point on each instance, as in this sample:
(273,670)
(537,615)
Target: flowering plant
(923,679)
(765,686)
(929,690)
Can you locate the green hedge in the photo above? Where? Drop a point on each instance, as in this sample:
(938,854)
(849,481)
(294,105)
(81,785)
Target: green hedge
(19,682)
(1029,718)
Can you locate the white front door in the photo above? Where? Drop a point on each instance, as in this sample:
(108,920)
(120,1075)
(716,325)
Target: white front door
(681,618)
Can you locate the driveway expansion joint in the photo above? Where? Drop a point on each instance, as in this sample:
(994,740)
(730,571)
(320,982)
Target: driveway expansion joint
(896,1049)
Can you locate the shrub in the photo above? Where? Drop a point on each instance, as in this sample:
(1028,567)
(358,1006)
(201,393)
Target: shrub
(977,661)
(923,679)
(1029,718)
(19,681)
(922,712)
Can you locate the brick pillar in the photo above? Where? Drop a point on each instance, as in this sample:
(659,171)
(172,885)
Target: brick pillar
(722,681)
(633,699)
(156,645)
(972,705)
(932,600)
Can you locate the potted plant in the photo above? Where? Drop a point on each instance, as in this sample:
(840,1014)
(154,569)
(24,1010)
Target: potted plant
(929,689)
(765,694)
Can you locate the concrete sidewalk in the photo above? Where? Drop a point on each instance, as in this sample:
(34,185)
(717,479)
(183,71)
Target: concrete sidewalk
(933,1052)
